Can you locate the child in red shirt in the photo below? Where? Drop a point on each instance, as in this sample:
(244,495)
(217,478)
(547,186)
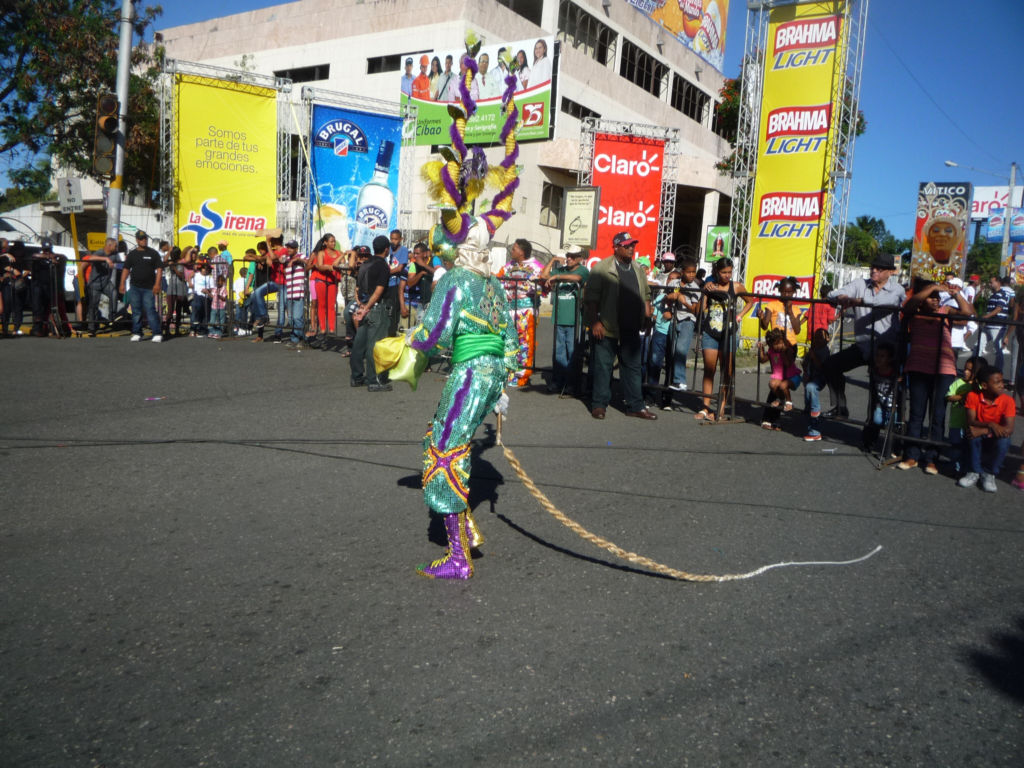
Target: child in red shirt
(990,413)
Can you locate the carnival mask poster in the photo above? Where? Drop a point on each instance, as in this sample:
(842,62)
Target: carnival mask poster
(943,211)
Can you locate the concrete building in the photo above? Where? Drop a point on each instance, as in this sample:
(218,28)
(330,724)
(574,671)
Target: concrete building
(614,63)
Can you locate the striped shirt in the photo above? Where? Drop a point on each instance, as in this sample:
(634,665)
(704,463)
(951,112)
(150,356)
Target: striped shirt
(296,277)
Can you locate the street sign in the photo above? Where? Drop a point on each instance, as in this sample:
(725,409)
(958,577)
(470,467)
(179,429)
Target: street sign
(69,195)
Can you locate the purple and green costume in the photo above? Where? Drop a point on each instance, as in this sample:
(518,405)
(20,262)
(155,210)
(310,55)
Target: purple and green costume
(468,315)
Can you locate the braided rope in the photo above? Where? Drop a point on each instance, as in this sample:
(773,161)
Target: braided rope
(633,557)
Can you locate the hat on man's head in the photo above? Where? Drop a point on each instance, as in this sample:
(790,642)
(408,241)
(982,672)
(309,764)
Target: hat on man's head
(381,244)
(408,61)
(955,281)
(974,279)
(574,251)
(139,235)
(624,239)
(424,60)
(222,242)
(668,256)
(884,261)
(46,245)
(291,244)
(362,250)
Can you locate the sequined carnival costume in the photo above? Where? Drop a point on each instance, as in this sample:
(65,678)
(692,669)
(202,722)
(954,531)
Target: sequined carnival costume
(468,314)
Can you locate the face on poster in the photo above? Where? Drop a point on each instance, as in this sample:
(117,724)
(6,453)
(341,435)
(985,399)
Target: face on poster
(355,159)
(628,171)
(719,244)
(431,82)
(225,161)
(943,209)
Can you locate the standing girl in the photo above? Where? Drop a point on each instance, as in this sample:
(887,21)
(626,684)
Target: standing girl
(327,260)
(718,293)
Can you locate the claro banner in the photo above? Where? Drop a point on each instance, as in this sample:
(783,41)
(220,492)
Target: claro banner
(225,161)
(797,131)
(628,171)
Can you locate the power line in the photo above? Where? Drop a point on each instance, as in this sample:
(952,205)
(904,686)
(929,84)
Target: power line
(931,98)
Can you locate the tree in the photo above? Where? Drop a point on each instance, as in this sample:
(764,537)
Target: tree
(56,57)
(866,237)
(983,259)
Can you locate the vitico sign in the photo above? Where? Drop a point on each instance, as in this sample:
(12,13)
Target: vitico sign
(628,171)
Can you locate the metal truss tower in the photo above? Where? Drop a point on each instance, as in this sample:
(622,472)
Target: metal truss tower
(846,95)
(670,166)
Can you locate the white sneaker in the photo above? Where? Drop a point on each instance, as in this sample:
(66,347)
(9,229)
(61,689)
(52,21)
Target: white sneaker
(136,337)
(988,483)
(678,386)
(157,339)
(969,480)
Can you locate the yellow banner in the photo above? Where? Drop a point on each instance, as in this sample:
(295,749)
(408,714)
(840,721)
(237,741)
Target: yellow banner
(803,82)
(225,161)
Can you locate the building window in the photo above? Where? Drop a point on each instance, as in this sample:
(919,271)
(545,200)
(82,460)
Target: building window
(642,69)
(550,204)
(528,9)
(305,74)
(578,111)
(585,33)
(378,64)
(689,99)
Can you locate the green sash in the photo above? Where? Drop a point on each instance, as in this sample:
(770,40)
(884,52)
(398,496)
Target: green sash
(470,345)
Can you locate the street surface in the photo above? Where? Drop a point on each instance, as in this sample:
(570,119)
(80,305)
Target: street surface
(208,551)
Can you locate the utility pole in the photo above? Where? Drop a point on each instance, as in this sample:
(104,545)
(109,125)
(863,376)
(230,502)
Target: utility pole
(124,54)
(1004,260)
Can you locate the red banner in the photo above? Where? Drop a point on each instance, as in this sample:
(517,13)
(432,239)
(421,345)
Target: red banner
(628,171)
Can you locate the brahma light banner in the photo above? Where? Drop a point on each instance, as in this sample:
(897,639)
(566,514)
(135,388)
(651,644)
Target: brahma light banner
(355,163)
(431,82)
(225,161)
(803,73)
(697,24)
(940,230)
(628,171)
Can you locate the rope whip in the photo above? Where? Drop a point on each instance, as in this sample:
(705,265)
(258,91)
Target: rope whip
(633,557)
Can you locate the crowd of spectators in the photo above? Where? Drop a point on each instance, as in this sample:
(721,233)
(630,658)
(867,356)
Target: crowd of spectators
(924,345)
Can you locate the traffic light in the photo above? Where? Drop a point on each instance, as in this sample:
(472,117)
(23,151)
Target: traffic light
(106,135)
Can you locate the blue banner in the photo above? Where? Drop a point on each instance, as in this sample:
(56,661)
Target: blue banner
(997,220)
(354,158)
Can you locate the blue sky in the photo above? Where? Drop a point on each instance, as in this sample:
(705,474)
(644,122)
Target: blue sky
(941,82)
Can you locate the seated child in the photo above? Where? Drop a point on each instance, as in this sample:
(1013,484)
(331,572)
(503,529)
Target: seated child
(990,414)
(956,396)
(814,381)
(785,376)
(881,393)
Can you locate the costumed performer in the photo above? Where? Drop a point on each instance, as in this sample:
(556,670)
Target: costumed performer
(468,314)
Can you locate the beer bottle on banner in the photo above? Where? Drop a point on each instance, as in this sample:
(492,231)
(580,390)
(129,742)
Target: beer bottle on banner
(376,203)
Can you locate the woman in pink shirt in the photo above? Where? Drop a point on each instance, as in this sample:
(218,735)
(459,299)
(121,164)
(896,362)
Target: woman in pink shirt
(930,366)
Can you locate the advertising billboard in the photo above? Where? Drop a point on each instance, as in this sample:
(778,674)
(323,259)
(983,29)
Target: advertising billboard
(225,161)
(354,164)
(939,250)
(997,221)
(803,74)
(431,82)
(697,24)
(987,198)
(628,170)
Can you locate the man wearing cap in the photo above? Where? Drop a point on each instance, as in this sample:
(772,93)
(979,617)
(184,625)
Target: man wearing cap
(566,275)
(407,78)
(618,303)
(421,85)
(48,290)
(371,317)
(144,266)
(875,301)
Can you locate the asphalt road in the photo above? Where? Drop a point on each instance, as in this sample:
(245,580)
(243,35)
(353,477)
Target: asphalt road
(223,576)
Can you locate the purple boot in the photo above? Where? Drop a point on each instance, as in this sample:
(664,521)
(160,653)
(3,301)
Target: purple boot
(457,562)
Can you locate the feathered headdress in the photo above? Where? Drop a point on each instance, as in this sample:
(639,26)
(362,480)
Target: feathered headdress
(456,180)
